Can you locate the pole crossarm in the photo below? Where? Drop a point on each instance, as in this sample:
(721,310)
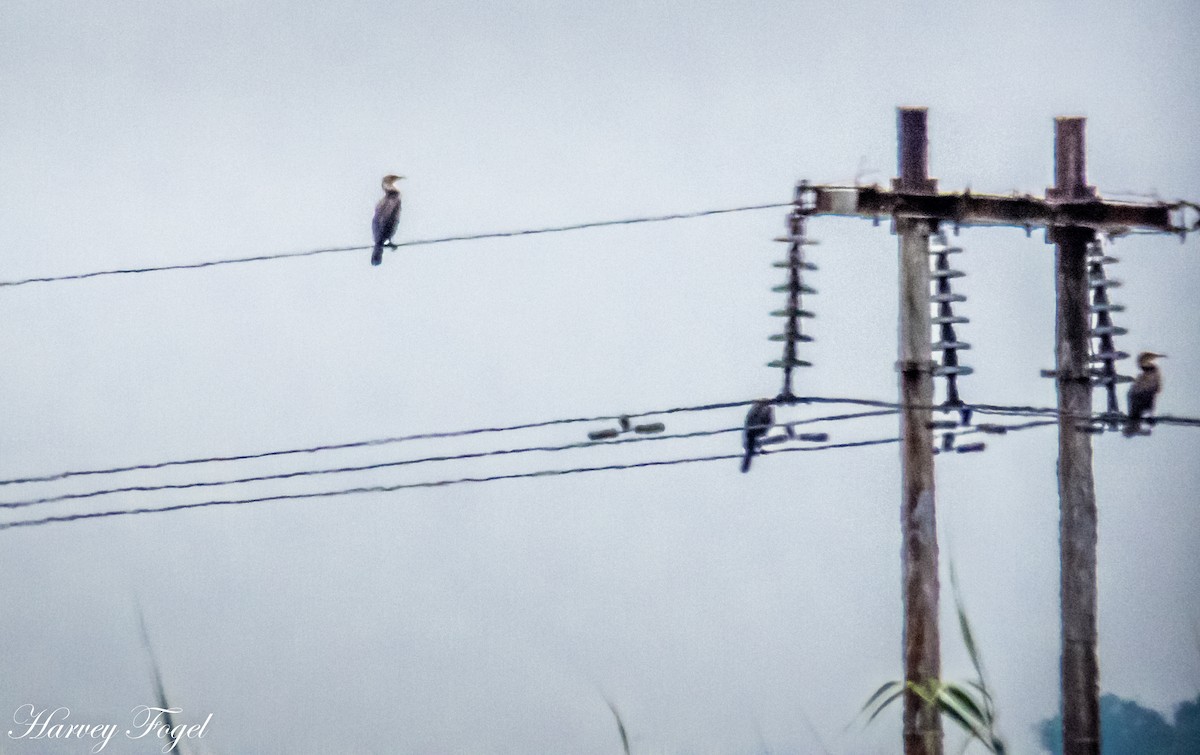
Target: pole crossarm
(1024,211)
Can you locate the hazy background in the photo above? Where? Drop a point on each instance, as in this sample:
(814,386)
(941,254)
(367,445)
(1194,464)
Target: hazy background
(719,612)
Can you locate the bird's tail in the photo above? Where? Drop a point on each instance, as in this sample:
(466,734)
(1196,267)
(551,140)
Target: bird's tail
(377,255)
(1133,426)
(746,460)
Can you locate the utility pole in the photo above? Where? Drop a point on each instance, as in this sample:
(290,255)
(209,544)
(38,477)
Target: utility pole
(1072,213)
(1076,487)
(918,522)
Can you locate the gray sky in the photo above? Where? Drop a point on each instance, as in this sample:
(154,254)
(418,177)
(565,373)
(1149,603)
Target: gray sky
(719,612)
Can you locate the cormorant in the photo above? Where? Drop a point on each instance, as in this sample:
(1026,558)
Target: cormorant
(1143,391)
(387,216)
(758,421)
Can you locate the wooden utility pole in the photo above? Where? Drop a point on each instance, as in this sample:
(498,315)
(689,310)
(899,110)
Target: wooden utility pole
(918,523)
(1076,487)
(1072,213)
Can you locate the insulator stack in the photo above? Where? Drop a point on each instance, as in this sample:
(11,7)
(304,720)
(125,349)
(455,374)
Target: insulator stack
(947,341)
(1103,370)
(794,313)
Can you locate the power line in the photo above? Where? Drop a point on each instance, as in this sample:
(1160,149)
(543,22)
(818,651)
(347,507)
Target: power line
(423,460)
(417,242)
(494,478)
(416,485)
(372,442)
(1001,410)
(1034,411)
(1004,410)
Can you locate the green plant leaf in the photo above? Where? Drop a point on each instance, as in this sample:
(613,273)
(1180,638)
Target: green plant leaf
(963,700)
(879,693)
(880,701)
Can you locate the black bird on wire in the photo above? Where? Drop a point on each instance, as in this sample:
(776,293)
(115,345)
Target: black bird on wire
(1143,392)
(758,421)
(387,217)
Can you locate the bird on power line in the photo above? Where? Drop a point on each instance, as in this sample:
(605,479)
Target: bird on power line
(758,421)
(1143,392)
(387,216)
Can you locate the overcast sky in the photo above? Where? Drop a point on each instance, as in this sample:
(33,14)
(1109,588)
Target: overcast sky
(719,612)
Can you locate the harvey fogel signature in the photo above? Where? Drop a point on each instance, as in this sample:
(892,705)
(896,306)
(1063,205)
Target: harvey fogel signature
(148,722)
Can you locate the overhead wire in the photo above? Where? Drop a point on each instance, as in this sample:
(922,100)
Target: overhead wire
(403,462)
(511,476)
(402,244)
(999,410)
(421,460)
(883,407)
(891,406)
(1183,229)
(368,443)
(417,485)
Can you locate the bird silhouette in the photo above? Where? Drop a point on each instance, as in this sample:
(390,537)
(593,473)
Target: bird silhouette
(387,217)
(758,421)
(1143,392)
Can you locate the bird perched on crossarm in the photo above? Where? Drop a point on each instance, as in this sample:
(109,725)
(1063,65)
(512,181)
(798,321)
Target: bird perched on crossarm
(758,421)
(387,217)
(1143,392)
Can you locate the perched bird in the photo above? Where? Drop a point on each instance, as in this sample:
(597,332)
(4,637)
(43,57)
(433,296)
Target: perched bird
(758,421)
(1142,393)
(387,216)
